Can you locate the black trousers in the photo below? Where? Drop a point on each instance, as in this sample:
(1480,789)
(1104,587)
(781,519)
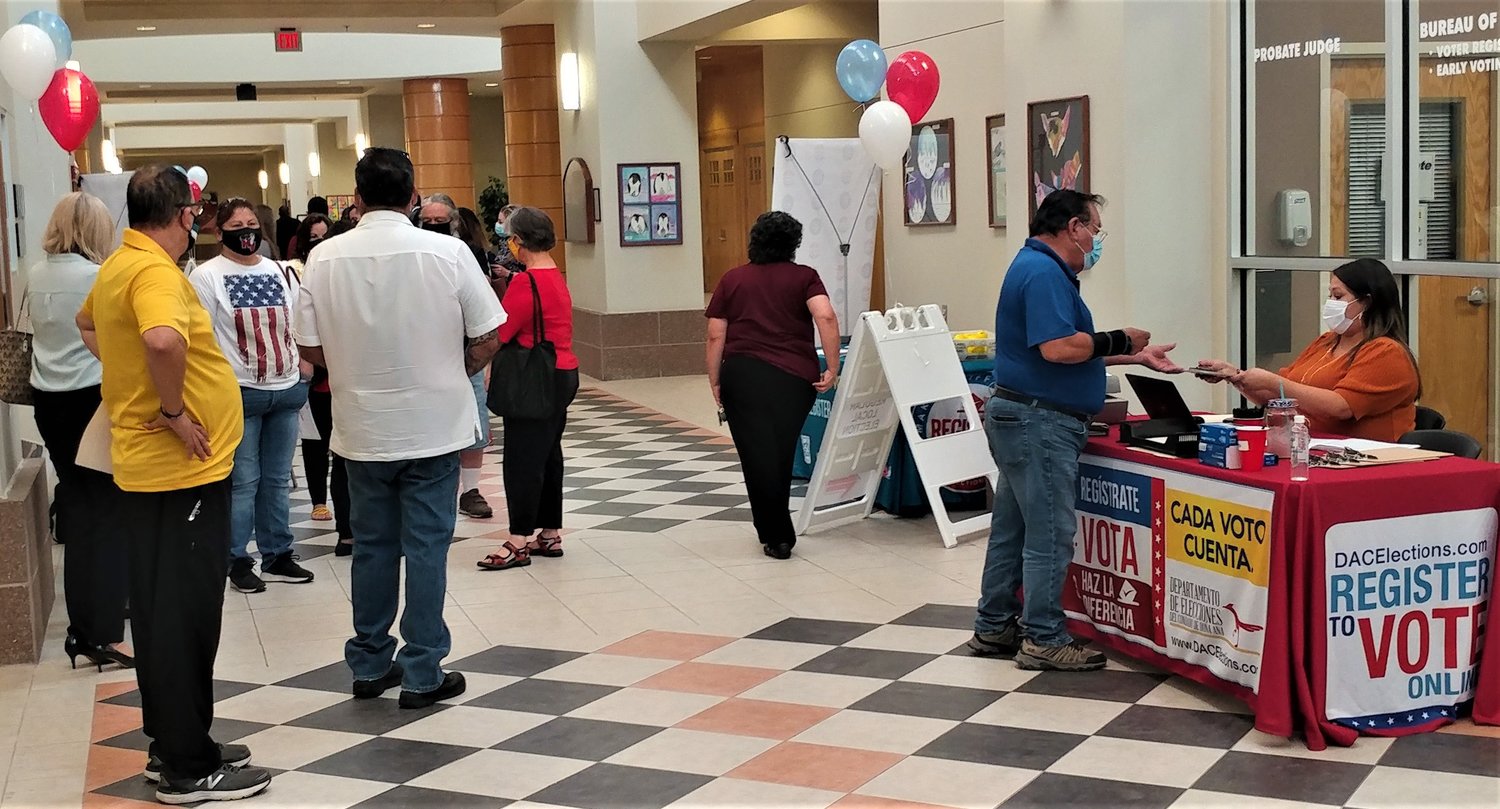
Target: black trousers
(533,463)
(179,558)
(95,578)
(315,454)
(766,407)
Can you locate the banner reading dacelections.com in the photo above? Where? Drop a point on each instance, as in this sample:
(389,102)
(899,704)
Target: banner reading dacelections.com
(1406,604)
(1176,563)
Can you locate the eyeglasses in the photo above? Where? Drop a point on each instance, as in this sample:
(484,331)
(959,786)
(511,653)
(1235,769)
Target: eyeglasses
(195,207)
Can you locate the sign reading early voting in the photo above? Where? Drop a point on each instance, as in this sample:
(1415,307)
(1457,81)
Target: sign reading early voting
(1176,563)
(1406,604)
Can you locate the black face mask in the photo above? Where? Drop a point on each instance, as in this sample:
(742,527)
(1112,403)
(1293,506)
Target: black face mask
(314,242)
(244,241)
(438,227)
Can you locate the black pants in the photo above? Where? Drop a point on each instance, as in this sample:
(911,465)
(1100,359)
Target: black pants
(533,463)
(179,558)
(95,578)
(766,407)
(315,454)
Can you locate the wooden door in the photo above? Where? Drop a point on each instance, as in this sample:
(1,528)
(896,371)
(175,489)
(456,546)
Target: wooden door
(723,240)
(1454,338)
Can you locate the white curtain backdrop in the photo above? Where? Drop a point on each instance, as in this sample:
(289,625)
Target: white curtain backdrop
(838,171)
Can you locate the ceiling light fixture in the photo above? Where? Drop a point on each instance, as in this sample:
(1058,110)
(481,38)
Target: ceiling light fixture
(145,87)
(314,164)
(263,179)
(361,142)
(109,157)
(344,82)
(145,29)
(286,173)
(492,84)
(567,76)
(426,25)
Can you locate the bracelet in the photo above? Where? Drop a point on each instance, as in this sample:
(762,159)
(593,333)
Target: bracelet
(172,416)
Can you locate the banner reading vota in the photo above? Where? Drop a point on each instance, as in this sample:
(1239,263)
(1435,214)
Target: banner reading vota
(1177,563)
(1407,598)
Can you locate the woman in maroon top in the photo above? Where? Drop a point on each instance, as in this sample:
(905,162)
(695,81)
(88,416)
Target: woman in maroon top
(763,367)
(533,462)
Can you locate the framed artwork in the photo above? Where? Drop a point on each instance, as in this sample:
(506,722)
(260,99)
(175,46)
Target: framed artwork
(994,127)
(1057,147)
(578,202)
(337,203)
(650,204)
(929,176)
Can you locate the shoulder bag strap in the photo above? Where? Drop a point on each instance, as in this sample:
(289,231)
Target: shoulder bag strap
(538,327)
(23,315)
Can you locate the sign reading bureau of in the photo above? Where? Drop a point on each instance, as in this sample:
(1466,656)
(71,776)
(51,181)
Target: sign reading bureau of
(1176,563)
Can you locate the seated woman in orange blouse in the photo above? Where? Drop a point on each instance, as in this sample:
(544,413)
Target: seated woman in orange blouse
(1360,378)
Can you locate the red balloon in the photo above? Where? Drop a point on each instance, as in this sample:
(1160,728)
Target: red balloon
(69,108)
(912,81)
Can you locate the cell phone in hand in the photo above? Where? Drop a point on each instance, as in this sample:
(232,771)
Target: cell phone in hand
(723,417)
(1210,373)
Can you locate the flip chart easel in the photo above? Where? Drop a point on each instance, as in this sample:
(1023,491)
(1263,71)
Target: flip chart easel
(896,361)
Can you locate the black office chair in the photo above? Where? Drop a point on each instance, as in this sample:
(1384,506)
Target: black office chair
(1429,419)
(1449,441)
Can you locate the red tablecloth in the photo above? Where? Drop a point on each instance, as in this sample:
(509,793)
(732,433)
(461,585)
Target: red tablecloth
(1293,688)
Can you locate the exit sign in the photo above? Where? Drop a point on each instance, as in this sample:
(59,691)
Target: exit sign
(288,40)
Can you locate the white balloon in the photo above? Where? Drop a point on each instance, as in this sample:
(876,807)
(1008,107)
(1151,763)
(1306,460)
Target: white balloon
(885,131)
(199,175)
(27,60)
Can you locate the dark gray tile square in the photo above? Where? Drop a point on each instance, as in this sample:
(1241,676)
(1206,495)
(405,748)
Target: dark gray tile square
(1108,684)
(1446,752)
(371,717)
(814,630)
(588,739)
(514,661)
(223,689)
(1179,726)
(135,788)
(939,616)
(933,701)
(224,731)
(665,474)
(641,525)
(393,761)
(418,798)
(308,552)
(1290,779)
(550,697)
(609,786)
(730,514)
(335,677)
(299,534)
(716,500)
(606,508)
(638,463)
(1051,790)
(880,663)
(1006,747)
(700,487)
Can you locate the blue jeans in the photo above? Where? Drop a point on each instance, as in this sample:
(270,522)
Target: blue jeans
(262,477)
(1034,522)
(401,508)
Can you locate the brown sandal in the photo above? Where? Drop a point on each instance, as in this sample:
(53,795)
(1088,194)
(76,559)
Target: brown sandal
(549,547)
(509,556)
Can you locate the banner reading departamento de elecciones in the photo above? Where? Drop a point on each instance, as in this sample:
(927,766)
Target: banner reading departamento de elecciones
(1176,563)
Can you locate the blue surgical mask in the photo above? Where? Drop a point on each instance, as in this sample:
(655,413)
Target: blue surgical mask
(500,229)
(1091,257)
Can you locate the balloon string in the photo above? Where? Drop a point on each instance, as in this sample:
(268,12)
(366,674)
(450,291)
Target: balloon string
(819,197)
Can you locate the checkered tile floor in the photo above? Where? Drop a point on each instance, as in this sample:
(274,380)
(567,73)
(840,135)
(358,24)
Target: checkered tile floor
(864,697)
(803,713)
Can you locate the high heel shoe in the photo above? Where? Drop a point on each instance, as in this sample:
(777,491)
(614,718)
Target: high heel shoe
(75,648)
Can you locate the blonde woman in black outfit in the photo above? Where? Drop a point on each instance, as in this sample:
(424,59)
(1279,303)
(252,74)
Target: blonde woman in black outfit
(763,367)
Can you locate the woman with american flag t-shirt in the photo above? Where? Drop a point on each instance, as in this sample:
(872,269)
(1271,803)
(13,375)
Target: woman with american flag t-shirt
(250,299)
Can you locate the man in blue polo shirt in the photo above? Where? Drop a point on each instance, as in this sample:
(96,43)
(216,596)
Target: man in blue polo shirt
(1049,384)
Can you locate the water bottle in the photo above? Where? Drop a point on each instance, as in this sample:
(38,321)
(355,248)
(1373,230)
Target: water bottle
(1301,448)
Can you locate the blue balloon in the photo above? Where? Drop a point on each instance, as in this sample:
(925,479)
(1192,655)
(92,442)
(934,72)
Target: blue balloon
(56,29)
(861,69)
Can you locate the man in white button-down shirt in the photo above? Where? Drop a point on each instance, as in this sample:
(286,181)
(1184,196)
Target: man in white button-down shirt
(400,319)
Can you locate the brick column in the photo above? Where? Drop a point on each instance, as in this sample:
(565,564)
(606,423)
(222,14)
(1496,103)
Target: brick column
(533,156)
(437,135)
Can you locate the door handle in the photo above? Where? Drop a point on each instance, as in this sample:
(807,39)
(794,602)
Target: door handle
(1478,296)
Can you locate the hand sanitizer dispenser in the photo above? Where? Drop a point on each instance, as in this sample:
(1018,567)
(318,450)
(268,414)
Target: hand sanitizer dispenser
(1294,216)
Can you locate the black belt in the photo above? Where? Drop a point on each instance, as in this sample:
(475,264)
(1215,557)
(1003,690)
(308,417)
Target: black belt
(1021,398)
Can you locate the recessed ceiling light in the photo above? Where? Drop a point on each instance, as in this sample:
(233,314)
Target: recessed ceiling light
(346,81)
(492,84)
(426,25)
(145,87)
(145,29)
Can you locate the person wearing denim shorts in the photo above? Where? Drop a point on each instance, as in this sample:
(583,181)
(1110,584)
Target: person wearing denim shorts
(1049,381)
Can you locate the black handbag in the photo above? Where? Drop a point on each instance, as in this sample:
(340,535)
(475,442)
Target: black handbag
(522,379)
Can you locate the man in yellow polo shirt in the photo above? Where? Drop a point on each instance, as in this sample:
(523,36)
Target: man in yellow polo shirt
(174,407)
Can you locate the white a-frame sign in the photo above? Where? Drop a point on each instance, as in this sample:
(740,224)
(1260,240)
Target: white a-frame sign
(896,361)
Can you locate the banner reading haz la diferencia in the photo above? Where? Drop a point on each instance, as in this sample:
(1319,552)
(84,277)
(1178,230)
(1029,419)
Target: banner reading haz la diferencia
(1406,601)
(1176,563)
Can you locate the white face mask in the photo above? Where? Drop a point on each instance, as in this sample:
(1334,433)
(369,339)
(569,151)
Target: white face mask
(1336,316)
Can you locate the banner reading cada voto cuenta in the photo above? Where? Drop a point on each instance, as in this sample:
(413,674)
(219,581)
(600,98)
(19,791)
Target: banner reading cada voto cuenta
(1176,563)
(1406,604)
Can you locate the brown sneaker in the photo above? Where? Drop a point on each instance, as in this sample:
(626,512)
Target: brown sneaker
(472,504)
(1068,657)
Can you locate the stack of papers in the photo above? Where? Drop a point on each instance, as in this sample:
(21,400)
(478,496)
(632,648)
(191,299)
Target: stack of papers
(1358,444)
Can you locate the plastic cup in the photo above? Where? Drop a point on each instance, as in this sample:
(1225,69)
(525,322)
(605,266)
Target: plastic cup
(1252,447)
